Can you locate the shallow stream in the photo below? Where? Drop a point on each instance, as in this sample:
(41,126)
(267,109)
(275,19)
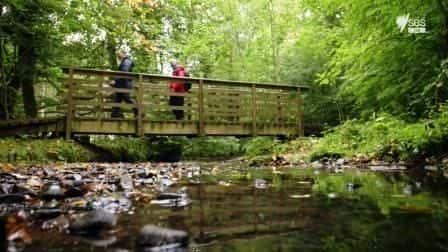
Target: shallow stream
(293,209)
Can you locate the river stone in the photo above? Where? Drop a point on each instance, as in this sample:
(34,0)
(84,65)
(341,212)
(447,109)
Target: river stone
(53,191)
(126,182)
(73,192)
(340,161)
(154,236)
(102,242)
(317,165)
(431,168)
(11,198)
(93,222)
(24,190)
(7,187)
(47,213)
(353,186)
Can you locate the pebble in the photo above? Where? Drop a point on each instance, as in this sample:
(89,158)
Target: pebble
(163,238)
(94,222)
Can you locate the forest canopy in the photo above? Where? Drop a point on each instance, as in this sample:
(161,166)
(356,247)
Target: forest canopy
(357,56)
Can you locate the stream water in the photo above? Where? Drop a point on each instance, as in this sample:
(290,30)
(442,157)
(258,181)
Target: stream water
(292,210)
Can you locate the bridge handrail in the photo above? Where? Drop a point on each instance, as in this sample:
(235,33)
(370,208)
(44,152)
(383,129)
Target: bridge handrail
(210,101)
(159,77)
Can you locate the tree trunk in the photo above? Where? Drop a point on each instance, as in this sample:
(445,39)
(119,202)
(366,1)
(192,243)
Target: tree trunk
(275,49)
(9,99)
(3,86)
(444,9)
(112,54)
(26,74)
(10,88)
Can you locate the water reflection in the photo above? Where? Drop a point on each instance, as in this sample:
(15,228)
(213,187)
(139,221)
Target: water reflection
(298,210)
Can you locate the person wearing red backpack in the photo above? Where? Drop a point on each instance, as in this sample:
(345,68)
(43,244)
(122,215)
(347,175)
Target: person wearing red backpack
(178,87)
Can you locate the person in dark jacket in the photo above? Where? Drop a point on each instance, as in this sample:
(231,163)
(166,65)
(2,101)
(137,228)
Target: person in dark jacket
(177,87)
(126,65)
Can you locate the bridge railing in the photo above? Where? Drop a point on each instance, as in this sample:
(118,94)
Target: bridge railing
(209,101)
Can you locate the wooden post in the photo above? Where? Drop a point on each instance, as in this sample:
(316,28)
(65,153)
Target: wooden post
(300,131)
(254,110)
(70,106)
(201,129)
(140,110)
(100,111)
(279,111)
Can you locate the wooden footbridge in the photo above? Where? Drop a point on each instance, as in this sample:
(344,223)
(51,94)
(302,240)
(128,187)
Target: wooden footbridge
(212,107)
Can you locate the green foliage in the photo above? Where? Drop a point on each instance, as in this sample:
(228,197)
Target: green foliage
(212,147)
(387,137)
(376,67)
(298,145)
(259,146)
(41,151)
(169,149)
(126,149)
(386,192)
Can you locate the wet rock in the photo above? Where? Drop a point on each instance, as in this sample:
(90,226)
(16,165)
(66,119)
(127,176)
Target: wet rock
(407,190)
(142,197)
(260,184)
(338,169)
(340,161)
(73,192)
(94,222)
(362,158)
(224,183)
(126,182)
(23,190)
(353,186)
(19,176)
(61,223)
(76,203)
(51,204)
(102,242)
(49,172)
(144,173)
(179,199)
(149,181)
(16,229)
(34,182)
(166,181)
(47,213)
(387,168)
(431,168)
(317,165)
(111,204)
(194,181)
(12,198)
(300,196)
(72,183)
(332,195)
(53,191)
(162,239)
(7,187)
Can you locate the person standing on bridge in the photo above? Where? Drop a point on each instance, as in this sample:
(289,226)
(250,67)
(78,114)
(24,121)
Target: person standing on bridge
(126,65)
(178,87)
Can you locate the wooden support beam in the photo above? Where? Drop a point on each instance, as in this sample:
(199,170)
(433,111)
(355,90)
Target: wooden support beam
(201,109)
(299,113)
(140,108)
(70,107)
(254,110)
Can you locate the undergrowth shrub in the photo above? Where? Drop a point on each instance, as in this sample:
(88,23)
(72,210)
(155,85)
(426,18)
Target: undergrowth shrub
(386,137)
